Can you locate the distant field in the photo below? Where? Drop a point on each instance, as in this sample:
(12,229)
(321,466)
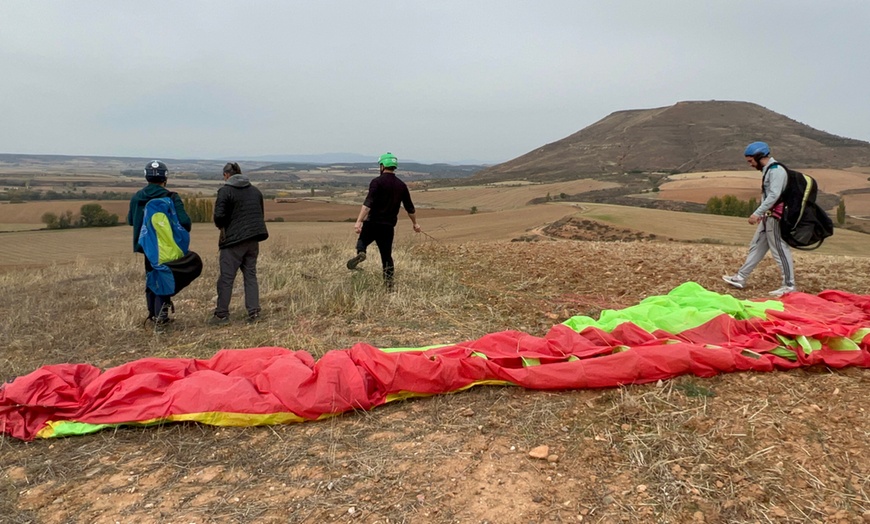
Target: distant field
(858,204)
(494,198)
(299,211)
(41,248)
(716,228)
(835,180)
(313,222)
(31,212)
(699,187)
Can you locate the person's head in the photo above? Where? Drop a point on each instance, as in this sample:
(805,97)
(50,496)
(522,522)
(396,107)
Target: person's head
(156,172)
(232,168)
(388,162)
(757,154)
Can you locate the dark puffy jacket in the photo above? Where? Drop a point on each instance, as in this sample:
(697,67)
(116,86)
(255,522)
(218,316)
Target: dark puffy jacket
(238,212)
(137,209)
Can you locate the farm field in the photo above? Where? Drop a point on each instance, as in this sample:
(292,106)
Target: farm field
(303,210)
(699,187)
(42,248)
(495,197)
(858,205)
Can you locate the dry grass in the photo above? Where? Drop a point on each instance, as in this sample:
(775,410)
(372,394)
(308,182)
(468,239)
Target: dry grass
(780,447)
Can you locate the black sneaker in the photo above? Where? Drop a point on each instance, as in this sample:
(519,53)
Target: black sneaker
(162,325)
(253,318)
(355,261)
(218,321)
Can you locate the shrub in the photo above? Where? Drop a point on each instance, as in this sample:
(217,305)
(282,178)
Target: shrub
(199,209)
(93,215)
(730,205)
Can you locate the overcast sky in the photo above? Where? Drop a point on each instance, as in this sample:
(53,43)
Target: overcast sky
(428,80)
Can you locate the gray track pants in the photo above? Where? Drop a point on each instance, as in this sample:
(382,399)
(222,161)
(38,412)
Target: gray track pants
(240,256)
(768,238)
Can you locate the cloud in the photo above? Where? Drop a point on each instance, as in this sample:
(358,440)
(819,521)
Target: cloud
(435,80)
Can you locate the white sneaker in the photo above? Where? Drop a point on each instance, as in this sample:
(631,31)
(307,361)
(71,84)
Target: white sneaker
(784,290)
(735,281)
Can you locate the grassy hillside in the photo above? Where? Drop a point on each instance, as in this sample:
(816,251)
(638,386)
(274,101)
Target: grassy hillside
(687,136)
(733,448)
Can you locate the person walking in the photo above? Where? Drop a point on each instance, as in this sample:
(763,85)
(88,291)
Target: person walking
(239,213)
(379,215)
(766,217)
(156,174)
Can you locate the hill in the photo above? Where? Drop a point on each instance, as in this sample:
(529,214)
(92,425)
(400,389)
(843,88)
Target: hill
(684,137)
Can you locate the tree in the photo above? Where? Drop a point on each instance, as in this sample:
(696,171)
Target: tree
(65,220)
(714,205)
(730,205)
(50,220)
(841,212)
(93,215)
(199,209)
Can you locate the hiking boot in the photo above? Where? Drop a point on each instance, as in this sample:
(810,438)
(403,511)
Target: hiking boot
(784,290)
(355,261)
(735,281)
(253,318)
(218,321)
(162,325)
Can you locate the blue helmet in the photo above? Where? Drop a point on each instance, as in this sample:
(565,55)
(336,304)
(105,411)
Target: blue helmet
(757,148)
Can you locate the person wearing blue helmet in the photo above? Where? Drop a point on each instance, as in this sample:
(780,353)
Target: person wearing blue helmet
(380,213)
(766,217)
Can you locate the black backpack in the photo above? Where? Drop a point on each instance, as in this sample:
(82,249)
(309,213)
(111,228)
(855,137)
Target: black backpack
(804,225)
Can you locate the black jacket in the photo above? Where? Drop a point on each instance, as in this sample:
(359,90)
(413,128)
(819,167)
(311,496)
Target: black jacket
(238,212)
(386,194)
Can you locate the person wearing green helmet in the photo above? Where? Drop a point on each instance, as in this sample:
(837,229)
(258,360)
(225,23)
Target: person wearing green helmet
(379,214)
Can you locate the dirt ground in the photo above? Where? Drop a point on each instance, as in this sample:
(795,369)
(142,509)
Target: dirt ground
(746,447)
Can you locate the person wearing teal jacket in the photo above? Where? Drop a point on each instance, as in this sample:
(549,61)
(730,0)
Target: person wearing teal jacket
(156,174)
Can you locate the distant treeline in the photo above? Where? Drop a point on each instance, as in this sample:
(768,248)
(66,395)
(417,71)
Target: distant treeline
(90,215)
(730,205)
(25,195)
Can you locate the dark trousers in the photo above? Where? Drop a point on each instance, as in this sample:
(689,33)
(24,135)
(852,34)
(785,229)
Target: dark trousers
(382,236)
(233,258)
(158,305)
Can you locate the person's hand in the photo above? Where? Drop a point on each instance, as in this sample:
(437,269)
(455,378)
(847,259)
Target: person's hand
(357,228)
(417,228)
(754,219)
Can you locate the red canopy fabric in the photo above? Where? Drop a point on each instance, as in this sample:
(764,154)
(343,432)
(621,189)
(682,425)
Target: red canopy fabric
(252,386)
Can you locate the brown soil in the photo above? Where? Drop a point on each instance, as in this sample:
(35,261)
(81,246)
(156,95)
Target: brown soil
(744,447)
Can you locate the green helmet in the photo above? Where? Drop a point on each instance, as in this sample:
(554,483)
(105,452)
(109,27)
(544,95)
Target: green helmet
(388,160)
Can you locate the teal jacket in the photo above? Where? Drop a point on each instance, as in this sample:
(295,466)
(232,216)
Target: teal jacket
(137,210)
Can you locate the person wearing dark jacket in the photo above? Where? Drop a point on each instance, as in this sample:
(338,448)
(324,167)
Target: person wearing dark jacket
(155,173)
(380,213)
(239,213)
